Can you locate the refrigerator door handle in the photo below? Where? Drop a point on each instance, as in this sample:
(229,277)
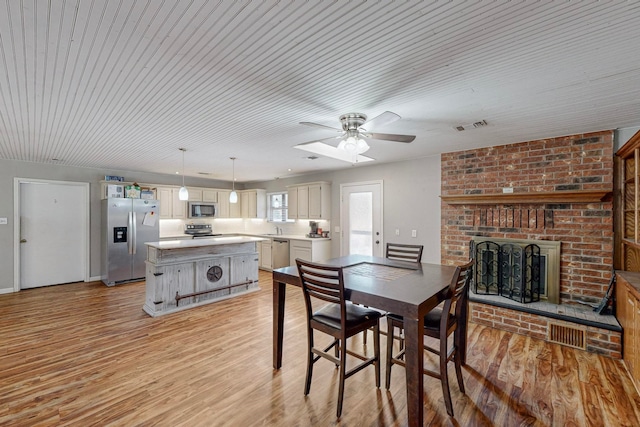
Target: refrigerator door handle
(131,233)
(134,233)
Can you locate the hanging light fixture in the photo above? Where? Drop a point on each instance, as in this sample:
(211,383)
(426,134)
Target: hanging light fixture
(183,194)
(233,197)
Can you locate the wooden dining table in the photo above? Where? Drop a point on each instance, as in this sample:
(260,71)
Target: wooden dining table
(405,288)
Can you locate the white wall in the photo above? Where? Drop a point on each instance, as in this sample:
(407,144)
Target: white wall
(411,201)
(10,169)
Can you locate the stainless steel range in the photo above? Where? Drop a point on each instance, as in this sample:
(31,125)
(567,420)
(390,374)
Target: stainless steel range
(200,230)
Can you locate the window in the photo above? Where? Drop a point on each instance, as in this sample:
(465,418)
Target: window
(278,206)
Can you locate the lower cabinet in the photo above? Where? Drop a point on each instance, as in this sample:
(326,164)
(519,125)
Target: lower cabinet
(266,260)
(628,314)
(315,250)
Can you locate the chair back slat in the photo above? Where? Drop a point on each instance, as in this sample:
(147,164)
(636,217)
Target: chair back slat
(401,252)
(321,281)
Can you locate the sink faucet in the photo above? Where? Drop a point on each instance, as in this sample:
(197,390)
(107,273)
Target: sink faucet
(278,231)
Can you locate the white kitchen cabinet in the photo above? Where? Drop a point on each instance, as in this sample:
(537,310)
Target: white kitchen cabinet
(303,202)
(292,197)
(209,195)
(195,194)
(315,250)
(223,204)
(171,207)
(310,201)
(253,203)
(179,207)
(165,197)
(227,209)
(266,255)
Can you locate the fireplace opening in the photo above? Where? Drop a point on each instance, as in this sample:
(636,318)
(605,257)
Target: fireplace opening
(521,270)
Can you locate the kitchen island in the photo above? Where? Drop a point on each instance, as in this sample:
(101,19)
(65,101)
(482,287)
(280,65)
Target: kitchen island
(183,274)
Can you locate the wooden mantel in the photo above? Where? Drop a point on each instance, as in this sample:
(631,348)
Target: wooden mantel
(577,196)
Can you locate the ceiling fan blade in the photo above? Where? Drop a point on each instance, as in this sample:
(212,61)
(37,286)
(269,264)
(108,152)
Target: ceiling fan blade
(381,120)
(327,150)
(317,125)
(390,136)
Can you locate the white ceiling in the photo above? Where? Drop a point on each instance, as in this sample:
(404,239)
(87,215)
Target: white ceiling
(123,84)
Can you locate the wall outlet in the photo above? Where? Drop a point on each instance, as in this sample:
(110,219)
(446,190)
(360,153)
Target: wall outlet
(414,233)
(3,221)
(336,229)
(507,189)
(397,231)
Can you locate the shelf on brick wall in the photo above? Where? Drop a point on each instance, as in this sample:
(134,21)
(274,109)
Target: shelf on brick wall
(577,196)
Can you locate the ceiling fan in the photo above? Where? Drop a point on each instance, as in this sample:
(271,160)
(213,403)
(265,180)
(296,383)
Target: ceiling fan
(355,128)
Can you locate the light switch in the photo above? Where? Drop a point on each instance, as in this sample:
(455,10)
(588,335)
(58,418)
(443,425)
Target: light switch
(397,231)
(414,233)
(3,221)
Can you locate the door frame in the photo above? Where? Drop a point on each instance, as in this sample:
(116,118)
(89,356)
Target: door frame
(343,213)
(85,228)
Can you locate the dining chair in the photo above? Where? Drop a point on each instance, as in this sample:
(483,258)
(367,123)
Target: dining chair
(339,319)
(439,323)
(399,252)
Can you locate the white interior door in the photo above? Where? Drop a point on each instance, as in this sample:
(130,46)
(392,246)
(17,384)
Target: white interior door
(53,233)
(361,218)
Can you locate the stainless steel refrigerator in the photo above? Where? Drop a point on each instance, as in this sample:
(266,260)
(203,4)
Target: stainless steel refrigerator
(126,225)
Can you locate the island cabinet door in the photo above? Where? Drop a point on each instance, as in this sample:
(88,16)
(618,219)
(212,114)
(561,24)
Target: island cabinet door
(212,274)
(244,268)
(178,278)
(168,280)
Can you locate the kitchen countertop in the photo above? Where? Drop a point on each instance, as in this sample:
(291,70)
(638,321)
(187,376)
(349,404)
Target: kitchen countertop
(196,243)
(267,236)
(290,237)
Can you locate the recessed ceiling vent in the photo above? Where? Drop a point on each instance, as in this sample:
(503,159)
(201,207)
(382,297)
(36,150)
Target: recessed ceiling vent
(481,123)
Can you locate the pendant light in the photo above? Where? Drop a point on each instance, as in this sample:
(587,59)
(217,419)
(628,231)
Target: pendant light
(233,197)
(183,194)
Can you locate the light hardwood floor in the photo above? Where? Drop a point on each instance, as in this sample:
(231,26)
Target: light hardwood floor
(85,354)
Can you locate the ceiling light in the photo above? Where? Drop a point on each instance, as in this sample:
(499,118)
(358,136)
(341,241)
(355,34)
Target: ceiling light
(183,194)
(353,144)
(233,197)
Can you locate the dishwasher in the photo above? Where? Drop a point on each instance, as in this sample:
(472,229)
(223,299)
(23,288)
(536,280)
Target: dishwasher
(280,253)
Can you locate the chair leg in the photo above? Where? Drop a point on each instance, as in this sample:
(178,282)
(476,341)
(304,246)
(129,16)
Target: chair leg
(457,360)
(390,331)
(307,384)
(364,336)
(444,378)
(376,349)
(343,363)
(336,350)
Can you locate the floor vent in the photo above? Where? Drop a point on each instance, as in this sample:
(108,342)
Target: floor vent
(571,336)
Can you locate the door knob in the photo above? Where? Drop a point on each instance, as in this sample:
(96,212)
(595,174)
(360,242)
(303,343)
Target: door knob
(377,242)
(23,240)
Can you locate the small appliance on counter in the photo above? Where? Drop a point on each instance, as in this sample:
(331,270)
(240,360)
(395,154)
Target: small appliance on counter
(316,231)
(200,230)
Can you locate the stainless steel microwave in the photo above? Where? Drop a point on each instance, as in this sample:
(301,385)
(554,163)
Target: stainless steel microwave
(202,210)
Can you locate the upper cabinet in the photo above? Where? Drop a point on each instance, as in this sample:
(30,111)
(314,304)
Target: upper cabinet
(171,207)
(253,203)
(310,201)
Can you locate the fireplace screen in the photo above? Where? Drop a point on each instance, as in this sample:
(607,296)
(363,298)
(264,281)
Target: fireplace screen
(509,270)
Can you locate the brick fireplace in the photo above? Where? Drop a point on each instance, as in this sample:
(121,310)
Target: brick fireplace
(555,167)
